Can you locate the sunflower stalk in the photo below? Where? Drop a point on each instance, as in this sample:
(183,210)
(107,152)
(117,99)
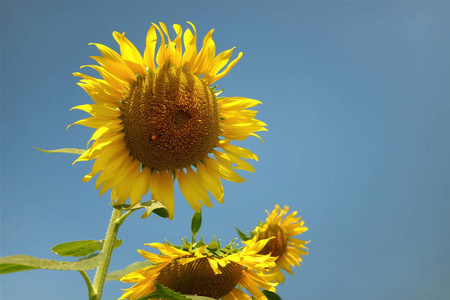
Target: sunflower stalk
(108,247)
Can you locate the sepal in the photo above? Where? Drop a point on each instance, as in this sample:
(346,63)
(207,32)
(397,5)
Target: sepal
(242,235)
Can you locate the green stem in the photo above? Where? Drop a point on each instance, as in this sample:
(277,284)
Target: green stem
(123,217)
(91,291)
(108,246)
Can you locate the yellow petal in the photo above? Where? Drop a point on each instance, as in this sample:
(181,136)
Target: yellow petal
(225,172)
(238,103)
(112,80)
(140,187)
(116,67)
(211,181)
(149,53)
(87,177)
(188,190)
(236,294)
(227,69)
(110,57)
(206,54)
(130,54)
(166,192)
(190,46)
(161,56)
(240,152)
(217,64)
(99,110)
(108,157)
(214,266)
(177,56)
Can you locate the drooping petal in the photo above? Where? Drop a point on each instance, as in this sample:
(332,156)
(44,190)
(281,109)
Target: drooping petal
(149,54)
(166,192)
(130,54)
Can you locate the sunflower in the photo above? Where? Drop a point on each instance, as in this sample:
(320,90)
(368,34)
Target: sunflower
(158,120)
(205,271)
(281,227)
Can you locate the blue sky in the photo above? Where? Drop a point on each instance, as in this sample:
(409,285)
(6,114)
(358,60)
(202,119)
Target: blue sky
(356,98)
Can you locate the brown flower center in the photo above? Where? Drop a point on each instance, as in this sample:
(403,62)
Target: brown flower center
(277,245)
(171,119)
(197,278)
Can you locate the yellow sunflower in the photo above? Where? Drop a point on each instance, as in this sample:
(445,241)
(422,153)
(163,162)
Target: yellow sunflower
(203,272)
(157,120)
(281,227)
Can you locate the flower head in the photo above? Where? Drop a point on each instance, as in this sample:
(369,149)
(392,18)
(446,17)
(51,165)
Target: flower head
(205,270)
(281,227)
(157,120)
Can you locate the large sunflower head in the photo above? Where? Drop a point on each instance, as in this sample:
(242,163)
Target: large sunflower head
(157,119)
(204,270)
(281,228)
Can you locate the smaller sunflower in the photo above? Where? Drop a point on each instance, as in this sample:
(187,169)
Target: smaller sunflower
(204,270)
(281,227)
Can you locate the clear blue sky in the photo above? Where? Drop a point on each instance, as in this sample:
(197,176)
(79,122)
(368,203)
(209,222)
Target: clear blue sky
(356,98)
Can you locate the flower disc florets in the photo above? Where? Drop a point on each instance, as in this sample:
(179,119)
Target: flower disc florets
(198,278)
(171,119)
(277,245)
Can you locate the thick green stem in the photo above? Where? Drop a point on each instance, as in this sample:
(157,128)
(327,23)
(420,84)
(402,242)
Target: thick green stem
(108,246)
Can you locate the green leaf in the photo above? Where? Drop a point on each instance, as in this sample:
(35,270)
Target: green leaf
(117,243)
(162,212)
(115,275)
(196,223)
(78,248)
(17,263)
(168,294)
(64,150)
(271,295)
(150,206)
(81,248)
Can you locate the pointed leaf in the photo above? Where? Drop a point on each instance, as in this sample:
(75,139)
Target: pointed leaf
(168,294)
(164,293)
(196,223)
(64,150)
(271,295)
(162,212)
(81,248)
(16,263)
(115,275)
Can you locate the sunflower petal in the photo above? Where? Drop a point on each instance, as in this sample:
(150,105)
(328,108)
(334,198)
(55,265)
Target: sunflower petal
(130,54)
